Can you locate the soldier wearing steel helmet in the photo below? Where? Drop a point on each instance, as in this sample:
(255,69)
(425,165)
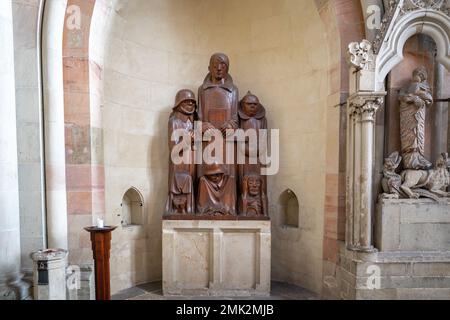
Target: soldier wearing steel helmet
(182,176)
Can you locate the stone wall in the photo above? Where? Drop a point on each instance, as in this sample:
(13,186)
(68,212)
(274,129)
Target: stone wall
(9,190)
(278,50)
(344,23)
(282,56)
(84,168)
(29,147)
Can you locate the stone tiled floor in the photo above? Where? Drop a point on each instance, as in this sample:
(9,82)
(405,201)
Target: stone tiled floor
(153,291)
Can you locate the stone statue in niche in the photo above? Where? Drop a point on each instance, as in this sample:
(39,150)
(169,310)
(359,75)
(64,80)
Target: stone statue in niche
(418,178)
(414,99)
(182,176)
(216,192)
(218,100)
(252,116)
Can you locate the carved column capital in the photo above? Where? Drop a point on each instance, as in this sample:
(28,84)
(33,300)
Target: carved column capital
(365,105)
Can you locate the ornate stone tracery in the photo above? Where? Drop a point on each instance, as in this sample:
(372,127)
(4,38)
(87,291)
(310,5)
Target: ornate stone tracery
(403,19)
(397,9)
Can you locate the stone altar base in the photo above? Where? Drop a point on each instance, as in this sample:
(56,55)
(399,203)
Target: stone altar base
(402,275)
(216,257)
(413,225)
(413,262)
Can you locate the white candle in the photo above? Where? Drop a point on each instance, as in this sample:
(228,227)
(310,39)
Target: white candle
(100,223)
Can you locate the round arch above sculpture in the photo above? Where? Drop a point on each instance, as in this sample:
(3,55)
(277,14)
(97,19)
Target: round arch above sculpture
(433,23)
(371,62)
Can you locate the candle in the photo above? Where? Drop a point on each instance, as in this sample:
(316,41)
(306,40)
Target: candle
(100,223)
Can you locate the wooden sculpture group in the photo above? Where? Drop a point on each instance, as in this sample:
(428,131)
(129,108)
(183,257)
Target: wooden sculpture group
(215,188)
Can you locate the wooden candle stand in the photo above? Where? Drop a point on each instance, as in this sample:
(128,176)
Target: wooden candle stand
(101,246)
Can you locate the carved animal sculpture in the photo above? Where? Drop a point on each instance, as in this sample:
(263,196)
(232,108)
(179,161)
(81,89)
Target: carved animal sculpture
(431,183)
(392,181)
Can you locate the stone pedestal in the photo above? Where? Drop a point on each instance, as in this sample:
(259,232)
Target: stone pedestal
(394,275)
(413,225)
(413,262)
(49,274)
(216,257)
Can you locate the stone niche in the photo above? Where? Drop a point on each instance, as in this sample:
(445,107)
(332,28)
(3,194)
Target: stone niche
(413,225)
(216,257)
(132,208)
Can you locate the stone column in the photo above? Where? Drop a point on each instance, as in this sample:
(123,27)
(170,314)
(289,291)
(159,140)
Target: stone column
(52,73)
(440,124)
(448,127)
(362,107)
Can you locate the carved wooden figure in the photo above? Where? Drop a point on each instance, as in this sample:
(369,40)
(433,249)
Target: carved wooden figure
(218,100)
(216,192)
(215,185)
(182,176)
(252,116)
(254,199)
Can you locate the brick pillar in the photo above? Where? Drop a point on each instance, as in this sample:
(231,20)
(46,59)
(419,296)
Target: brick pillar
(84,172)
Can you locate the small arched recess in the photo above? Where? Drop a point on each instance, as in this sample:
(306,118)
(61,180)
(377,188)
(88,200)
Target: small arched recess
(132,208)
(289,209)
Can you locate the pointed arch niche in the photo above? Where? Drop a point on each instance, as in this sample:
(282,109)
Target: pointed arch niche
(132,208)
(289,209)
(419,50)
(406,23)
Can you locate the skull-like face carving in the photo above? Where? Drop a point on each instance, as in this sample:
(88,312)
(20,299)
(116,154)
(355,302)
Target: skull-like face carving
(180,202)
(254,186)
